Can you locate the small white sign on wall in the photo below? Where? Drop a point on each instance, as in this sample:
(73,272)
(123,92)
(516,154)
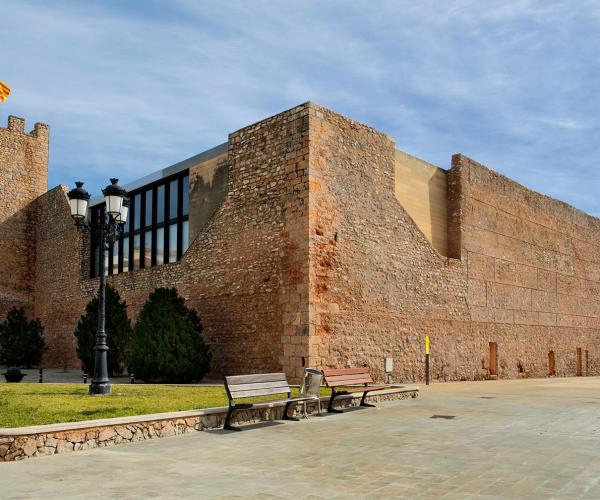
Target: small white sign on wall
(389,364)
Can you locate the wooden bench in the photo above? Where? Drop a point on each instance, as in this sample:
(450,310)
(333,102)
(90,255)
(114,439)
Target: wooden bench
(259,384)
(350,377)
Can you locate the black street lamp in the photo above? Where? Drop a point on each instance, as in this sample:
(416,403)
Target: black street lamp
(109,228)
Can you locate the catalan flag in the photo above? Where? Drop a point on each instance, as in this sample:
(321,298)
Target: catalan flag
(4,91)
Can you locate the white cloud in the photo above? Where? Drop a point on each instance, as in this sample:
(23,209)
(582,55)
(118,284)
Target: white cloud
(133,87)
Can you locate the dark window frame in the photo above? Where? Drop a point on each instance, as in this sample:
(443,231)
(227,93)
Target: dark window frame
(178,219)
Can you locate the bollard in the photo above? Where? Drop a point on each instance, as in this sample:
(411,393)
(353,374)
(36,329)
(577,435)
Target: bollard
(426,359)
(131,378)
(41,375)
(84,377)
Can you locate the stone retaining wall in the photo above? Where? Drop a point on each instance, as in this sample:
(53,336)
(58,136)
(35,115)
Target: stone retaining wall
(25,442)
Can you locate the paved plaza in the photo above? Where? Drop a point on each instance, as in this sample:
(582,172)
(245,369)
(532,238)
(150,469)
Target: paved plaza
(511,439)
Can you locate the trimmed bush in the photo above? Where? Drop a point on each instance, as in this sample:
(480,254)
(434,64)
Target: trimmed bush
(21,341)
(167,344)
(117,327)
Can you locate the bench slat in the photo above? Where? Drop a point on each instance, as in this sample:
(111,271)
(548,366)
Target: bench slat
(258,385)
(259,392)
(256,377)
(365,389)
(346,382)
(349,379)
(277,402)
(333,372)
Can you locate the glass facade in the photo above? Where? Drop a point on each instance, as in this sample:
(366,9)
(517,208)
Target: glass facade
(157,230)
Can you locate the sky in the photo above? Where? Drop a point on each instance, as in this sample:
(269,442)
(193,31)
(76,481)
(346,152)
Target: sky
(130,87)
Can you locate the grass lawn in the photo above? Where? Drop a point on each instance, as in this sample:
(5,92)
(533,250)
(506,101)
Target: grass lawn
(37,404)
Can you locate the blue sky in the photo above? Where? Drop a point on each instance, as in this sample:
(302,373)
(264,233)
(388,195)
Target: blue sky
(129,87)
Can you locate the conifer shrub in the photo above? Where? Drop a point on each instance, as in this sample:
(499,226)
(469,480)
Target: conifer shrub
(21,340)
(117,327)
(167,344)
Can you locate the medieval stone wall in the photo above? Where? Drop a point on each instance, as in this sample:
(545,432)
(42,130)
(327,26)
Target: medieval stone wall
(377,285)
(305,257)
(243,272)
(23,177)
(525,276)
(533,274)
(59,297)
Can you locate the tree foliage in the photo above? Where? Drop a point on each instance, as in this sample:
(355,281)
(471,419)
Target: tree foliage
(21,340)
(167,344)
(117,327)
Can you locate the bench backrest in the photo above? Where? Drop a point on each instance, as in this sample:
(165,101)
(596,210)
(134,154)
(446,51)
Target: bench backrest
(258,384)
(347,376)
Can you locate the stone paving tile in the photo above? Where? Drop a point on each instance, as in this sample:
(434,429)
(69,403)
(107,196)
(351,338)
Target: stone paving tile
(532,439)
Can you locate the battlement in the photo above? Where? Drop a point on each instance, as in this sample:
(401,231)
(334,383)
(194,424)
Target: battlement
(17,125)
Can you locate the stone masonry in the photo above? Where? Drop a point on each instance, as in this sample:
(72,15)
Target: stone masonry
(525,274)
(307,258)
(23,178)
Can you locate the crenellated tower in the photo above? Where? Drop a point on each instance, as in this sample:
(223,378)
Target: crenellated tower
(23,178)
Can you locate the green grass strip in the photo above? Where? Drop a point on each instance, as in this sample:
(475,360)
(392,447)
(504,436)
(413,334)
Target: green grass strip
(37,404)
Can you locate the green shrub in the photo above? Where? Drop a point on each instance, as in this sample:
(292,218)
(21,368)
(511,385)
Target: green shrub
(167,344)
(117,327)
(21,341)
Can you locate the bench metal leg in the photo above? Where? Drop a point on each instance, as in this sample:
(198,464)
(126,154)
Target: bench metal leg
(285,413)
(227,425)
(330,407)
(363,403)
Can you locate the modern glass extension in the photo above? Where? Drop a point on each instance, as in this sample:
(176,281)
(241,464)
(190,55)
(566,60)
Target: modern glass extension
(157,228)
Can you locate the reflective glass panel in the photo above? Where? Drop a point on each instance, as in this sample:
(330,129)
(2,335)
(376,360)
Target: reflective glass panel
(172,242)
(115,260)
(148,218)
(148,249)
(125,255)
(173,199)
(136,251)
(160,204)
(160,246)
(186,195)
(138,211)
(185,235)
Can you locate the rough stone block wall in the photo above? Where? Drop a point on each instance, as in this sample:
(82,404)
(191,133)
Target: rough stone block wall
(377,285)
(23,177)
(245,272)
(525,274)
(306,257)
(533,274)
(60,298)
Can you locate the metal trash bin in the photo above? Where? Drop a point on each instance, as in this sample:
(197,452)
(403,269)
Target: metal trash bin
(311,387)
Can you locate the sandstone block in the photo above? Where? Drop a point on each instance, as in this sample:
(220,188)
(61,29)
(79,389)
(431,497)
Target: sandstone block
(124,432)
(64,446)
(106,434)
(30,447)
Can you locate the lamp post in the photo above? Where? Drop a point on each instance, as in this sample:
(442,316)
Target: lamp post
(109,227)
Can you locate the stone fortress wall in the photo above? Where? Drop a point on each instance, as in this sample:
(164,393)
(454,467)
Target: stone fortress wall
(243,272)
(23,178)
(523,271)
(314,246)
